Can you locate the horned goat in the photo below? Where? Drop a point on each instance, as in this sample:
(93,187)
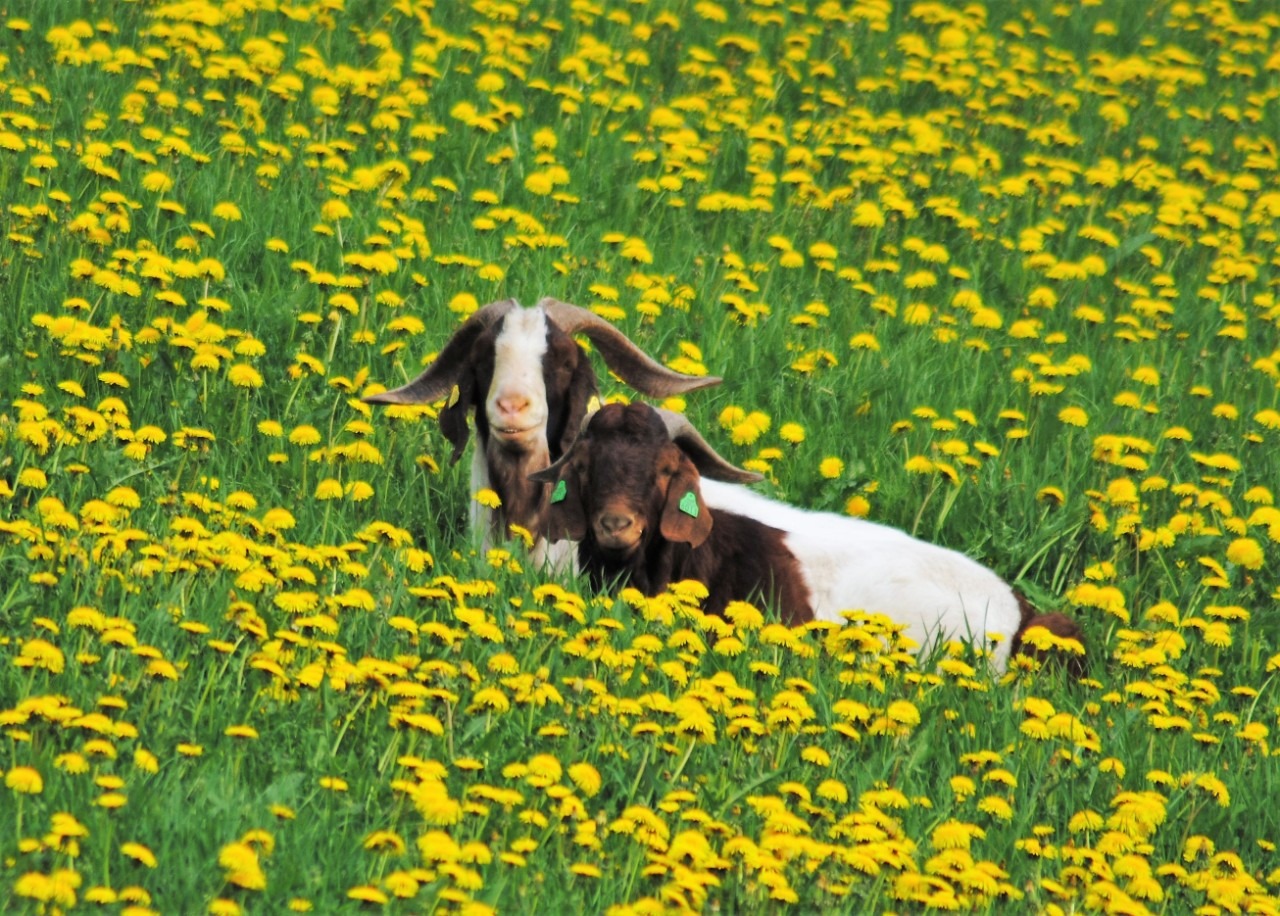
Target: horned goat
(627,492)
(845,563)
(528,383)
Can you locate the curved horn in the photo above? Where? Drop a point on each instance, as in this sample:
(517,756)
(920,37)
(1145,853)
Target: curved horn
(551,473)
(633,365)
(704,457)
(439,378)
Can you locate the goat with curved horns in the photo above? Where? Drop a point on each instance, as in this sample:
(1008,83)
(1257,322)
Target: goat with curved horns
(529,384)
(843,563)
(627,492)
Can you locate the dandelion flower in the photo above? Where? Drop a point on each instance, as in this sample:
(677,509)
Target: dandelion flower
(791,432)
(831,468)
(24,780)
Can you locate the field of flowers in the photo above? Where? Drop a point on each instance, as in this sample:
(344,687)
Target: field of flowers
(1004,276)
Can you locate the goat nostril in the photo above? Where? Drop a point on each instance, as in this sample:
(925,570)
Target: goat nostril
(512,405)
(613,523)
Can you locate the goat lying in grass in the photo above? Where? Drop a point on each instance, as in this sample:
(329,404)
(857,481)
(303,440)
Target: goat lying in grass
(528,383)
(628,493)
(623,485)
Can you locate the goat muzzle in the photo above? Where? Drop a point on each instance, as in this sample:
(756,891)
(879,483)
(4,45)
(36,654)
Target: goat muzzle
(618,531)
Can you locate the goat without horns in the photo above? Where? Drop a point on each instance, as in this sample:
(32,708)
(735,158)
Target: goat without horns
(528,383)
(844,563)
(629,495)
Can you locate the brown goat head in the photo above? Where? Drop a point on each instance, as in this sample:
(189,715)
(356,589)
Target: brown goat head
(625,478)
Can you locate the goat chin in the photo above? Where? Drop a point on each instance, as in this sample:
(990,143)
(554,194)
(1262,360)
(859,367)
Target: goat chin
(852,564)
(559,558)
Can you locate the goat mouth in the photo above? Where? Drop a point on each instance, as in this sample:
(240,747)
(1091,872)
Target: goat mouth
(513,432)
(618,547)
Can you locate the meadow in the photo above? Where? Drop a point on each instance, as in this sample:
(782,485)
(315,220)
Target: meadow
(1002,275)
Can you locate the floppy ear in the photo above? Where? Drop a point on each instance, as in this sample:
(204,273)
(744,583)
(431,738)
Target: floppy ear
(453,419)
(685,516)
(566,517)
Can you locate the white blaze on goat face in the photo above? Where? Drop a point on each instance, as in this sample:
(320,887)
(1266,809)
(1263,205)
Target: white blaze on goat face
(516,403)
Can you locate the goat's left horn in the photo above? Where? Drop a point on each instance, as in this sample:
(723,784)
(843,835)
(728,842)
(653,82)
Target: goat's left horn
(633,365)
(437,379)
(706,459)
(551,473)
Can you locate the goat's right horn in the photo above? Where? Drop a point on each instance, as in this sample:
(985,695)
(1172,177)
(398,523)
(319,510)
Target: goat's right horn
(551,473)
(633,365)
(438,379)
(708,462)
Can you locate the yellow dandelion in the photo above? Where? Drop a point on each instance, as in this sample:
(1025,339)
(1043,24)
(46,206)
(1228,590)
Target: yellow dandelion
(585,777)
(33,479)
(139,853)
(1245,552)
(488,498)
(242,375)
(24,780)
(831,468)
(791,432)
(329,488)
(1073,416)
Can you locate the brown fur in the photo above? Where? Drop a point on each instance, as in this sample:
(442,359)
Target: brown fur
(1059,625)
(570,382)
(625,468)
(465,367)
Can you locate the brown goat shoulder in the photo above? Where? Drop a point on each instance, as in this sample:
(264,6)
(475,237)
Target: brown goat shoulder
(630,496)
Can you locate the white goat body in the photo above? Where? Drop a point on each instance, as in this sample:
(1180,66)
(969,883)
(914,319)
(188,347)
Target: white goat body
(850,564)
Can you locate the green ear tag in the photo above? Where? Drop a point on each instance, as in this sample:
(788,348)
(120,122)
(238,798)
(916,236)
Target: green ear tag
(689,504)
(560,492)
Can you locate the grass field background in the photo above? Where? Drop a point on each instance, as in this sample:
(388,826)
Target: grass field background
(1004,276)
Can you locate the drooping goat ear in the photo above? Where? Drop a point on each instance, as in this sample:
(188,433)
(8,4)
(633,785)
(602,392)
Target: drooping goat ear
(453,418)
(566,516)
(685,517)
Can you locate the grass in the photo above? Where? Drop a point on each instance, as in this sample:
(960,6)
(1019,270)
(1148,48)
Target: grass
(1014,267)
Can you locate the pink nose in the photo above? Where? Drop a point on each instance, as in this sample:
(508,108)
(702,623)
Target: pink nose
(512,404)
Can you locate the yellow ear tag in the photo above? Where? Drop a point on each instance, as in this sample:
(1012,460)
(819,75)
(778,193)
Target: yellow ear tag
(560,492)
(593,405)
(454,394)
(689,504)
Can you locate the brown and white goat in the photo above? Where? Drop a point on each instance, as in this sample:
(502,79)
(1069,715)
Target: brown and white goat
(528,383)
(623,485)
(628,493)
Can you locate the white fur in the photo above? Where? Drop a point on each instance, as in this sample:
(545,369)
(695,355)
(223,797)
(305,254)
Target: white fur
(519,349)
(852,564)
(517,372)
